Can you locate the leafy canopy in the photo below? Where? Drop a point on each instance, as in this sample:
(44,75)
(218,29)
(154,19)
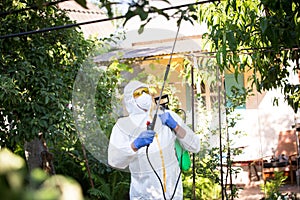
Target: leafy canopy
(258,35)
(37,73)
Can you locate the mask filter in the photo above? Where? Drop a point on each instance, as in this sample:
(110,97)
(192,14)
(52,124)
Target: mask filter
(144,101)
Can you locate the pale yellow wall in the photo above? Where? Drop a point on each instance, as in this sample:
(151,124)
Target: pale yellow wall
(173,78)
(252,101)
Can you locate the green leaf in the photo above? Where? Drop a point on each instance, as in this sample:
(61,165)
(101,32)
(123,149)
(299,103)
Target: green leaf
(231,40)
(82,3)
(218,57)
(141,29)
(142,13)
(263,25)
(224,51)
(128,16)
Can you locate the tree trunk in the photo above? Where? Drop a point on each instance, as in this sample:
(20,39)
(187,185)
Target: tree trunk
(38,156)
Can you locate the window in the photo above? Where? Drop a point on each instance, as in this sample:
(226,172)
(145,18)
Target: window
(230,81)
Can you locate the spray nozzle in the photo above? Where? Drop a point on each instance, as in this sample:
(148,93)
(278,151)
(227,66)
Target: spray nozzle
(149,125)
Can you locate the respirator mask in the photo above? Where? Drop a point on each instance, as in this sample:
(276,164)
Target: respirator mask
(142,98)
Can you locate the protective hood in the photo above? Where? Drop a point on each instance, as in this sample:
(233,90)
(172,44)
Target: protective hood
(129,100)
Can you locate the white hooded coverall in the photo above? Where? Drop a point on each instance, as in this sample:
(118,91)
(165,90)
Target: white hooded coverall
(162,155)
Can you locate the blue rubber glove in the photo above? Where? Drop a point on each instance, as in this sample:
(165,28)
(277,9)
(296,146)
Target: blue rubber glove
(144,139)
(168,120)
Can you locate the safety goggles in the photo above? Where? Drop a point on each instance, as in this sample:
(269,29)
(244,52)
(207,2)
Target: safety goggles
(138,92)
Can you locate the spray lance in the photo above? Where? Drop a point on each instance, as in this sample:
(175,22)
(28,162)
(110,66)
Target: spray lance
(150,126)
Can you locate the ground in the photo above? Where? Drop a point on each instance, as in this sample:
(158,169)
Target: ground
(253,191)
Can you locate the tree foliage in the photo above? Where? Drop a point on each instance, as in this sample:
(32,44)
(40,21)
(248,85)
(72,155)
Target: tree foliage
(260,35)
(37,73)
(16,184)
(36,80)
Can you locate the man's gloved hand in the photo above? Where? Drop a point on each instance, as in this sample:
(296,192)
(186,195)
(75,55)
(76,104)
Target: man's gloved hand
(168,120)
(144,139)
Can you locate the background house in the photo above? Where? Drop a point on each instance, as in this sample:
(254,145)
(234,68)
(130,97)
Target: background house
(80,14)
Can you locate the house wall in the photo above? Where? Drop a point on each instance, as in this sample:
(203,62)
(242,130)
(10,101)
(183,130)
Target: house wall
(263,121)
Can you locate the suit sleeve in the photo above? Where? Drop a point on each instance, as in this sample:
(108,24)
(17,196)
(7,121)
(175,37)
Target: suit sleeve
(191,141)
(120,153)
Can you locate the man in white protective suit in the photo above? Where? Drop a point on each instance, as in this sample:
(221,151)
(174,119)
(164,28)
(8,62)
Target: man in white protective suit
(130,144)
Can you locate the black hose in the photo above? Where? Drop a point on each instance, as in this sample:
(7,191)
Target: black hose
(161,184)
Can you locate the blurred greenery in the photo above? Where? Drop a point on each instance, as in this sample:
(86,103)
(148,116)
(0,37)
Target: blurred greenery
(17,184)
